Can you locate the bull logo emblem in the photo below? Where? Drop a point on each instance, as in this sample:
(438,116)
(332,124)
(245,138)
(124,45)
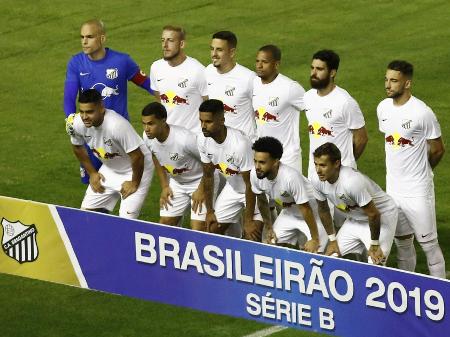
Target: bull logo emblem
(112,73)
(106,91)
(19,241)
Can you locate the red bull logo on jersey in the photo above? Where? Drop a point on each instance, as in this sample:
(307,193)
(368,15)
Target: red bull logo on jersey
(175,171)
(19,241)
(229,109)
(106,91)
(226,170)
(102,154)
(171,99)
(397,141)
(317,130)
(262,116)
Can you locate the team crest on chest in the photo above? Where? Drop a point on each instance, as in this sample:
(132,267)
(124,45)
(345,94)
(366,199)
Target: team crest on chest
(183,83)
(112,73)
(174,156)
(406,124)
(107,141)
(229,91)
(273,101)
(19,241)
(328,114)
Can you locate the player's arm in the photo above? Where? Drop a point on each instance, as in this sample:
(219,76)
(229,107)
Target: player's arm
(327,221)
(436,151)
(205,98)
(166,191)
(313,244)
(137,165)
(208,187)
(360,139)
(263,205)
(375,224)
(95,178)
(252,230)
(157,96)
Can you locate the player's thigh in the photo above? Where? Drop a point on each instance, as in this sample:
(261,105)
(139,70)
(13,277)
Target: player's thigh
(349,237)
(228,205)
(180,202)
(107,200)
(286,228)
(130,207)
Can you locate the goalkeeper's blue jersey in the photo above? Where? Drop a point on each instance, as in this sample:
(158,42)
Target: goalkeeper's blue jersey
(109,76)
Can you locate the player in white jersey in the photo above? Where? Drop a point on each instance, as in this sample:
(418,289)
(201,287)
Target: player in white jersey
(178,80)
(230,152)
(292,191)
(371,215)
(333,115)
(231,83)
(414,147)
(175,154)
(127,167)
(277,102)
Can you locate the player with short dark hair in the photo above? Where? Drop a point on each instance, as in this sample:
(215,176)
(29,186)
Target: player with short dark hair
(231,83)
(178,80)
(230,152)
(413,146)
(370,213)
(298,221)
(126,170)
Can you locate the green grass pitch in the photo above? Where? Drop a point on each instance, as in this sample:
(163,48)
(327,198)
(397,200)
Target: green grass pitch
(36,162)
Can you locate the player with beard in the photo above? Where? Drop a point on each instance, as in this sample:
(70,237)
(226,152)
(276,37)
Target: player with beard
(333,115)
(414,147)
(277,102)
(178,80)
(231,83)
(299,217)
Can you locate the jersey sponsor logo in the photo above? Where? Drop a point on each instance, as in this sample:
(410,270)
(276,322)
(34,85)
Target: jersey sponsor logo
(396,141)
(406,124)
(83,74)
(106,91)
(183,83)
(175,171)
(328,114)
(102,154)
(317,130)
(226,170)
(112,73)
(273,101)
(262,116)
(229,91)
(228,108)
(19,241)
(172,99)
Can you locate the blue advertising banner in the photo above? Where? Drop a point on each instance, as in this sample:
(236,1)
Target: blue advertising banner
(254,281)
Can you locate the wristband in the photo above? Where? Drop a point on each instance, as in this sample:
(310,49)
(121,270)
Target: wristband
(374,242)
(332,237)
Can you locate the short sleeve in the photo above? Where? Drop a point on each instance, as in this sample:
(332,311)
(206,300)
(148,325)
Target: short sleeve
(201,145)
(255,182)
(353,115)
(76,136)
(296,93)
(431,127)
(127,137)
(298,189)
(132,67)
(153,82)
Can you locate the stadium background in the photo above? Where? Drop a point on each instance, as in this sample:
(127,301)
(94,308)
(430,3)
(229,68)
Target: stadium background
(36,161)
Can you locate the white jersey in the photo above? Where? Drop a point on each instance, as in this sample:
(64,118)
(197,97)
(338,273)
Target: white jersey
(234,89)
(407,129)
(332,118)
(233,156)
(111,141)
(178,154)
(277,105)
(288,188)
(352,191)
(181,89)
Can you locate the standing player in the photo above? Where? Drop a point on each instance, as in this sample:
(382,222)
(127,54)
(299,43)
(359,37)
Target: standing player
(413,149)
(103,69)
(370,213)
(231,83)
(333,115)
(125,173)
(291,191)
(175,153)
(178,80)
(229,151)
(277,101)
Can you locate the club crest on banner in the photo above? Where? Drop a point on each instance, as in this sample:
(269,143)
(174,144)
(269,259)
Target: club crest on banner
(19,241)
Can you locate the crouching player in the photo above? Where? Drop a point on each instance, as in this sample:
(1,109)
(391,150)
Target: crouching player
(175,153)
(293,192)
(371,215)
(127,168)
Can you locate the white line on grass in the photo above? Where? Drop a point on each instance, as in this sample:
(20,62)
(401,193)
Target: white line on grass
(267,332)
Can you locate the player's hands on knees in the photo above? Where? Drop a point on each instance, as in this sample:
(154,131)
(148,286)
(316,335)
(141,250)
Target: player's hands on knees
(332,249)
(164,199)
(212,226)
(271,237)
(128,188)
(198,198)
(376,254)
(253,230)
(311,246)
(95,180)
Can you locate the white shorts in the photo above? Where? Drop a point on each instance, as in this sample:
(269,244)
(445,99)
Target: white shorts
(291,228)
(182,194)
(354,235)
(416,215)
(129,207)
(229,205)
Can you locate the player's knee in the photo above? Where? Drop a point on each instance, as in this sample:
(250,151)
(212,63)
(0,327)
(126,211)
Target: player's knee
(170,221)
(404,237)
(198,225)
